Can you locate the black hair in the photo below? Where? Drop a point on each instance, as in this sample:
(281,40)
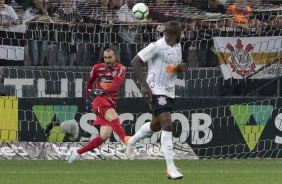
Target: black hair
(173,27)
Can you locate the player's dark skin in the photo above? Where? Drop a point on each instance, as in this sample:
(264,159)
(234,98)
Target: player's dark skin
(164,120)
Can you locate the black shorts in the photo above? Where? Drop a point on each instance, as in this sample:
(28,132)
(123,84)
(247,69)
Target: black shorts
(161,104)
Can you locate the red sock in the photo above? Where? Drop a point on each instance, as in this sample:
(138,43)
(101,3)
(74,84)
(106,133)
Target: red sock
(95,143)
(116,126)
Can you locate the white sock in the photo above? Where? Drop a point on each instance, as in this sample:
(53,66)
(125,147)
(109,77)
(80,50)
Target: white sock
(145,131)
(167,148)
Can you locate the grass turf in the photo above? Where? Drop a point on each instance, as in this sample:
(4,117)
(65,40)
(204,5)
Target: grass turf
(140,172)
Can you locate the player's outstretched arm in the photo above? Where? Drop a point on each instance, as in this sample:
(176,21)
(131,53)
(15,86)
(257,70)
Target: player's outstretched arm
(137,64)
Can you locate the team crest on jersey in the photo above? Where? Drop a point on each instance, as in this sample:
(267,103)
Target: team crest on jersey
(241,60)
(162,100)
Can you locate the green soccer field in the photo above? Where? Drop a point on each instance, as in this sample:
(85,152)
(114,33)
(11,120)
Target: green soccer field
(143,172)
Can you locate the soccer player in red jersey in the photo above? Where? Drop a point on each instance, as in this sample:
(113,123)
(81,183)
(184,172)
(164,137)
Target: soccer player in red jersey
(108,77)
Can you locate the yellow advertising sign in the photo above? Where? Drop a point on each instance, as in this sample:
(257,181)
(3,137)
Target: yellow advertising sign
(8,118)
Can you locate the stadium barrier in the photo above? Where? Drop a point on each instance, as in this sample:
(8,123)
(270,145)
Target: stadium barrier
(203,128)
(206,124)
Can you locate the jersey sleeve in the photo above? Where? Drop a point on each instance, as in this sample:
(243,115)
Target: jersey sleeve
(13,14)
(117,81)
(121,74)
(91,81)
(148,52)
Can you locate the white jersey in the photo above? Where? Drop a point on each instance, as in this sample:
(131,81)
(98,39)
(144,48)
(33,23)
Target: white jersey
(162,62)
(7,14)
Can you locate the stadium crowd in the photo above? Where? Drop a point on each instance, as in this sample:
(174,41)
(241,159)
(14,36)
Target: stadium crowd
(74,33)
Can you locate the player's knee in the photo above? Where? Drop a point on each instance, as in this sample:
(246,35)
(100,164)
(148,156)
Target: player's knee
(106,135)
(111,115)
(167,126)
(156,127)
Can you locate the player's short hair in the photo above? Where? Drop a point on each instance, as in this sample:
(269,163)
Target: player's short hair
(111,49)
(173,27)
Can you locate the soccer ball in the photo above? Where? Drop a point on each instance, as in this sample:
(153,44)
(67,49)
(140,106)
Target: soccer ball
(140,11)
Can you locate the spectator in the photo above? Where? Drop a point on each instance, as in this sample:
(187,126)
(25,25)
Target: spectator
(86,8)
(37,33)
(24,3)
(27,4)
(88,53)
(52,6)
(8,20)
(103,20)
(275,22)
(102,15)
(66,33)
(183,4)
(160,11)
(214,6)
(207,29)
(8,16)
(184,12)
(273,27)
(130,35)
(240,11)
(116,4)
(242,16)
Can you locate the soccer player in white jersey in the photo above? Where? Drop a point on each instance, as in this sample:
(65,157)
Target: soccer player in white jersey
(164,59)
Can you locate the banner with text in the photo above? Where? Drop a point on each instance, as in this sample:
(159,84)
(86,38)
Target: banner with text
(211,127)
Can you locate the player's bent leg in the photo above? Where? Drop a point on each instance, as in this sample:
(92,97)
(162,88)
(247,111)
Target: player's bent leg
(167,146)
(113,118)
(155,125)
(145,131)
(105,133)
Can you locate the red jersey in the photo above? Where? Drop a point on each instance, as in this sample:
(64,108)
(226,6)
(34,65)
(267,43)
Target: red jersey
(109,80)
